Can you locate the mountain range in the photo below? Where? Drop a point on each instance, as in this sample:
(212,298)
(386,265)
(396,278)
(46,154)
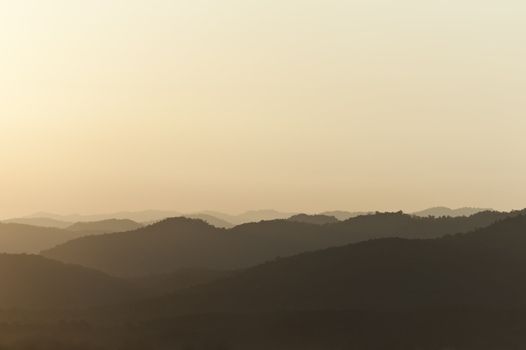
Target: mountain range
(31,281)
(480,269)
(380,281)
(104,226)
(22,238)
(178,243)
(444,211)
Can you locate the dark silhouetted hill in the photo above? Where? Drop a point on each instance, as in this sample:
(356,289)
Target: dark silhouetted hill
(212,220)
(304,330)
(180,243)
(314,219)
(345,215)
(444,211)
(105,226)
(181,279)
(484,269)
(32,281)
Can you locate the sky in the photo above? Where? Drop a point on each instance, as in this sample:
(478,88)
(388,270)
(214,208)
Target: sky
(296,105)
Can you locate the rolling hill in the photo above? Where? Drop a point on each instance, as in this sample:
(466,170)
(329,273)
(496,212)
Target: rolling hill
(211,220)
(137,216)
(484,269)
(444,211)
(20,238)
(41,222)
(345,215)
(250,216)
(186,243)
(314,219)
(32,281)
(104,226)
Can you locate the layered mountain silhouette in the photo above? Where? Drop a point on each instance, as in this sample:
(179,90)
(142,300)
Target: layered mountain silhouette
(137,216)
(250,216)
(484,269)
(20,238)
(408,283)
(318,219)
(345,215)
(158,285)
(211,220)
(31,281)
(40,222)
(186,243)
(444,211)
(215,218)
(104,226)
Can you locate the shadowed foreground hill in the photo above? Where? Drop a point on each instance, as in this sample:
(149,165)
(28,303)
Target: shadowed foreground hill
(105,226)
(31,281)
(485,269)
(184,243)
(462,292)
(20,238)
(158,285)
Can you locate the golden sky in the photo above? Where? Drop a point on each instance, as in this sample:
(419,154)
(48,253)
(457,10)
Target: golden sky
(299,105)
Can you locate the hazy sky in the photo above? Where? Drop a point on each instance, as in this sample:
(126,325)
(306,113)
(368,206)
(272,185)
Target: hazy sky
(244,104)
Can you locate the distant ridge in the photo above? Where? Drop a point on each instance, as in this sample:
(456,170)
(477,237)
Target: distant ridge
(215,218)
(314,219)
(250,216)
(345,215)
(212,220)
(481,269)
(21,238)
(181,243)
(137,216)
(39,221)
(105,226)
(445,211)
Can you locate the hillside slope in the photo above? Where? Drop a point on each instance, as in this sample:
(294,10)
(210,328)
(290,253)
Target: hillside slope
(31,281)
(485,269)
(21,238)
(185,243)
(104,226)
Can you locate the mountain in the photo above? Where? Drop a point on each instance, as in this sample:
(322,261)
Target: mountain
(484,269)
(31,281)
(20,238)
(345,215)
(313,219)
(215,218)
(137,216)
(212,220)
(40,222)
(250,216)
(181,279)
(444,211)
(105,226)
(179,243)
(463,291)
